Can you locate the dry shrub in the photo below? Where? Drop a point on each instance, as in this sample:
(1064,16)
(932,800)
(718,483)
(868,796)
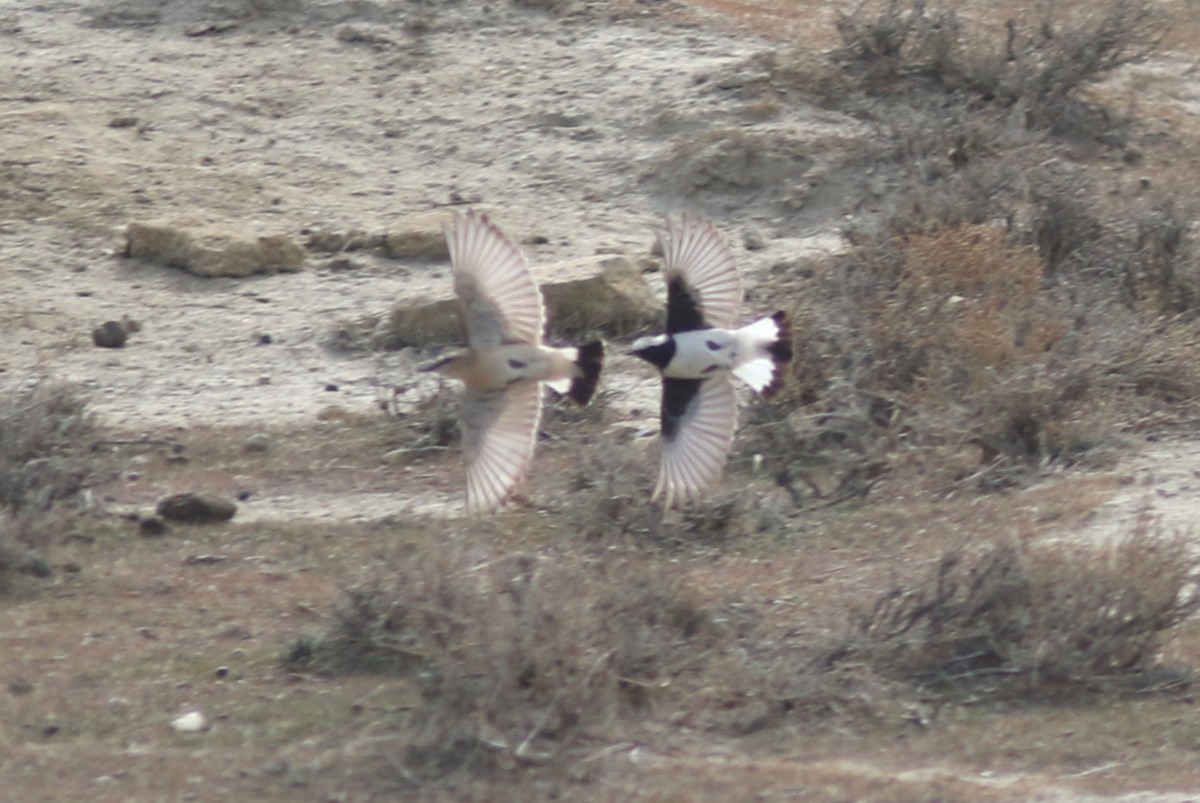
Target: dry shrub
(1035,326)
(1040,63)
(1050,614)
(516,655)
(44,459)
(931,339)
(43,430)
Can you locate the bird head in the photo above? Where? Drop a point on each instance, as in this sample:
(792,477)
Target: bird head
(658,350)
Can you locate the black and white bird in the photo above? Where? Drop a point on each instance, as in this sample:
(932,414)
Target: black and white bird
(505,364)
(698,353)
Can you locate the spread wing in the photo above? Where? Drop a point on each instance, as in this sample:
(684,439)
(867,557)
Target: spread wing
(492,278)
(699,417)
(704,287)
(499,432)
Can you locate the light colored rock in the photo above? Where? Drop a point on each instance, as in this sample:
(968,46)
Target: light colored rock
(605,294)
(191,722)
(420,321)
(258,442)
(418,237)
(207,251)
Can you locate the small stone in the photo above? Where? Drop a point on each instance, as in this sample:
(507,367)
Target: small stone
(191,722)
(36,566)
(195,508)
(754,239)
(330,387)
(123,121)
(258,442)
(110,335)
(20,687)
(152,526)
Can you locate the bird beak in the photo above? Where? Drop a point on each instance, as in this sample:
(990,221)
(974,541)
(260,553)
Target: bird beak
(436,365)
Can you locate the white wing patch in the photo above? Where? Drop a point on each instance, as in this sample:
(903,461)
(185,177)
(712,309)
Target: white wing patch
(499,432)
(693,460)
(492,278)
(695,251)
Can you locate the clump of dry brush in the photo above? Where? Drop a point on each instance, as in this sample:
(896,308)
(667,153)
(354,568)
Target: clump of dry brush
(1014,616)
(1004,308)
(44,459)
(516,655)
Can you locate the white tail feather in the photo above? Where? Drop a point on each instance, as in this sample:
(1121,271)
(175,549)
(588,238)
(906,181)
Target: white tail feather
(758,373)
(756,366)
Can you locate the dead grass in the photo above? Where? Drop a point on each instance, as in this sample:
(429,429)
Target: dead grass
(1040,61)
(1037,617)
(517,655)
(45,458)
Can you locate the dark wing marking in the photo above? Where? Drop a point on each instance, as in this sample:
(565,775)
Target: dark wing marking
(699,417)
(683,310)
(493,280)
(704,287)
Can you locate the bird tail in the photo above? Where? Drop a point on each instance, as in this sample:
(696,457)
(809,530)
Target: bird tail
(589,361)
(768,345)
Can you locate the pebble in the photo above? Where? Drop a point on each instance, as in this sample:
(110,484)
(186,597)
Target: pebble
(191,722)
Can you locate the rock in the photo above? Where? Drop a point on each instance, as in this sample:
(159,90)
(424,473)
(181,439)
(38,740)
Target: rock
(18,687)
(211,252)
(420,321)
(195,508)
(35,566)
(258,442)
(152,526)
(110,335)
(753,238)
(333,242)
(418,237)
(606,293)
(191,722)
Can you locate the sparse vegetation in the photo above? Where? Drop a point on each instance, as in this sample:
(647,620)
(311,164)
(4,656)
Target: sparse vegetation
(44,459)
(1041,62)
(519,653)
(1006,311)
(1008,616)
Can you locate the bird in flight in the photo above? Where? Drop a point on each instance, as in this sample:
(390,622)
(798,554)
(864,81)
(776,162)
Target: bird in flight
(698,353)
(505,363)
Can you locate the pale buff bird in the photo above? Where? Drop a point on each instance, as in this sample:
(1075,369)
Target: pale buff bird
(505,363)
(698,353)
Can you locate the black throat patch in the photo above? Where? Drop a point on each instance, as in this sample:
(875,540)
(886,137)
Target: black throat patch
(660,355)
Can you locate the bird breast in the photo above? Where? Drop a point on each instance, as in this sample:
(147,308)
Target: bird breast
(702,353)
(496,369)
